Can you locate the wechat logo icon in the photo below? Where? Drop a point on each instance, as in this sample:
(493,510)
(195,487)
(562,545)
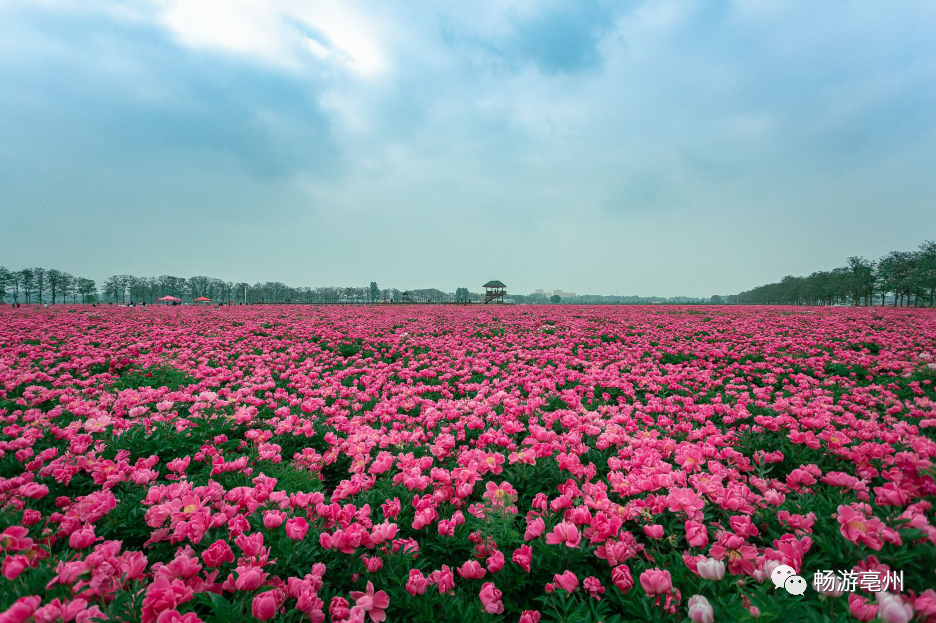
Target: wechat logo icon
(784,576)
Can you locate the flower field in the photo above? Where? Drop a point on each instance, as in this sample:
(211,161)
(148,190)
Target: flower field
(470,464)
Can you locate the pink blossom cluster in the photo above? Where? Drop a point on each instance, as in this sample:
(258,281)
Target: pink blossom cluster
(520,463)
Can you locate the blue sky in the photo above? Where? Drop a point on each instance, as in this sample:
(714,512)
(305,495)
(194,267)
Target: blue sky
(641,148)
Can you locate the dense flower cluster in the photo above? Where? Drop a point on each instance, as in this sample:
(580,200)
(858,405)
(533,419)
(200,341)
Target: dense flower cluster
(428,464)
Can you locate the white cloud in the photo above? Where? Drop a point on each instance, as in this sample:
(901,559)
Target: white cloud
(275,32)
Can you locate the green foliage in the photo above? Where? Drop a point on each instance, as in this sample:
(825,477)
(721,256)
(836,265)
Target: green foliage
(154,376)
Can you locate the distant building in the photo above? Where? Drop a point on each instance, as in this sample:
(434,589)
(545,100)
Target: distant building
(565,295)
(540,291)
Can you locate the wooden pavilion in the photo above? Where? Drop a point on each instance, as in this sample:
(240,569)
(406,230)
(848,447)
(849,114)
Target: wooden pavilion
(494,292)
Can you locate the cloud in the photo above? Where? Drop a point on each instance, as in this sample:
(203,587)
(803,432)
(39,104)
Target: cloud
(291,34)
(131,99)
(334,127)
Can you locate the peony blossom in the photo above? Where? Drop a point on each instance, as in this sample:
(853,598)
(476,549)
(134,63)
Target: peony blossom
(371,603)
(700,610)
(567,581)
(491,598)
(656,581)
(564,533)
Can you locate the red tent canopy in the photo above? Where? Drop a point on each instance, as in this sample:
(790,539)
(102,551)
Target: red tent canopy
(168,298)
(202,299)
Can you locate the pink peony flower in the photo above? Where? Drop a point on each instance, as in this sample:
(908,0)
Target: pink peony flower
(656,581)
(15,539)
(861,608)
(416,585)
(471,570)
(33,490)
(338,609)
(21,610)
(893,609)
(566,533)
(173,616)
(13,566)
(495,562)
(593,587)
(296,528)
(523,556)
(710,568)
(491,599)
(217,554)
(567,581)
(273,519)
(530,616)
(688,501)
(700,610)
(372,603)
(82,538)
(860,529)
(265,605)
(249,578)
(534,529)
(696,534)
(622,579)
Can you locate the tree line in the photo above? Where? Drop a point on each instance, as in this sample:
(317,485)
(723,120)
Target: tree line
(42,285)
(900,278)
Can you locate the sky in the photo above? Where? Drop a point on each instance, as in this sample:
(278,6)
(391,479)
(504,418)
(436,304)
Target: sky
(651,148)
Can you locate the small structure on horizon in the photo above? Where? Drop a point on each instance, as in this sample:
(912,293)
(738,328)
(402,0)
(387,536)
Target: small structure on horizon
(406,297)
(202,299)
(494,292)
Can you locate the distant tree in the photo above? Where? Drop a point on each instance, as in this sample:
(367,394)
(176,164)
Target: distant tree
(374,292)
(54,278)
(6,278)
(555,298)
(113,287)
(69,287)
(40,274)
(139,288)
(26,280)
(926,268)
(87,289)
(125,282)
(196,286)
(894,274)
(15,280)
(861,280)
(716,300)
